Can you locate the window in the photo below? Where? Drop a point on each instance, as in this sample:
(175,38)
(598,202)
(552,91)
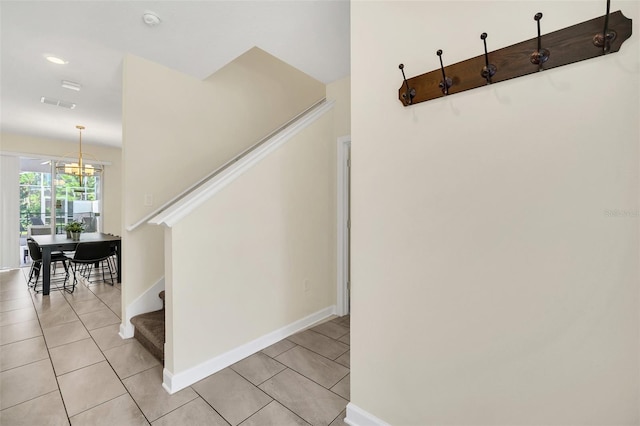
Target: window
(76,198)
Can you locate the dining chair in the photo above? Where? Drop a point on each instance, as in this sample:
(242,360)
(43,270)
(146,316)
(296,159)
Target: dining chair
(39,230)
(88,255)
(36,256)
(36,220)
(113,259)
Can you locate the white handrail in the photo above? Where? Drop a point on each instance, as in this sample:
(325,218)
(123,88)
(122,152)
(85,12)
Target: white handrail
(173,214)
(220,169)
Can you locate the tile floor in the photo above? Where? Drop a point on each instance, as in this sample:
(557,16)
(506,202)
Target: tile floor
(63,362)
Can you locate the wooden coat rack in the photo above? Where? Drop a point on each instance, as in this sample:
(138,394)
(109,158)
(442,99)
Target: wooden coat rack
(572,44)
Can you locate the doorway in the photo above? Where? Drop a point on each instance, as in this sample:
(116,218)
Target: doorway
(48,200)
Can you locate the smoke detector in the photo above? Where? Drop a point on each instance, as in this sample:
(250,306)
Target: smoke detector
(151,19)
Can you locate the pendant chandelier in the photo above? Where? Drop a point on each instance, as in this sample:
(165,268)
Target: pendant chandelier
(79,168)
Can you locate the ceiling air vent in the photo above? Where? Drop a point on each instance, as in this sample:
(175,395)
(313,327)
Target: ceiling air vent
(57,102)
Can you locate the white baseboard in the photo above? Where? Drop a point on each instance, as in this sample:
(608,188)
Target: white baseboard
(356,416)
(146,302)
(174,382)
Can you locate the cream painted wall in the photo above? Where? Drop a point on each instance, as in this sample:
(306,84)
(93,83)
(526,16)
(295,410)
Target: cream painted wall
(240,261)
(492,284)
(340,91)
(177,129)
(112,196)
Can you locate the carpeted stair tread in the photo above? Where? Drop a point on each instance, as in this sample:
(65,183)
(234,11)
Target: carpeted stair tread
(149,330)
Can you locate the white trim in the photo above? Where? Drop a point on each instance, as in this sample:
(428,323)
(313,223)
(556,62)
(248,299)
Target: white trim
(174,213)
(174,382)
(146,302)
(356,416)
(344,146)
(10,212)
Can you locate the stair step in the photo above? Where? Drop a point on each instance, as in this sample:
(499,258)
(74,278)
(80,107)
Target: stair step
(149,330)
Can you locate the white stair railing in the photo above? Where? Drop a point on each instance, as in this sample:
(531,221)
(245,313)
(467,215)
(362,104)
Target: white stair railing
(249,155)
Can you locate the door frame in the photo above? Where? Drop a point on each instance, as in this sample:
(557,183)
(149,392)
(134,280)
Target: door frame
(343,215)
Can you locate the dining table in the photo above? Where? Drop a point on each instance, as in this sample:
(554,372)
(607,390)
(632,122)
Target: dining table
(60,242)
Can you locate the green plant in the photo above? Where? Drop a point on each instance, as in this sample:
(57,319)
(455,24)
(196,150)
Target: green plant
(74,227)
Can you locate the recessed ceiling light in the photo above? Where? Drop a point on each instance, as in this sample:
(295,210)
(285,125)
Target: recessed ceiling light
(56,60)
(151,19)
(71,85)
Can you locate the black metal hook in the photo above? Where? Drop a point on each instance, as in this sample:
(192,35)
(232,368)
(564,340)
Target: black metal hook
(488,70)
(446,81)
(412,92)
(541,55)
(600,40)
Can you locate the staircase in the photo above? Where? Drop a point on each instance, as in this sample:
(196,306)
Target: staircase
(149,330)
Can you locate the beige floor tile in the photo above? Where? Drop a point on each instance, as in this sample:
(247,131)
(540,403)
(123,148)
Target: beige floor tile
(344,321)
(146,389)
(22,353)
(274,414)
(117,309)
(10,305)
(319,343)
(97,279)
(26,382)
(110,297)
(51,302)
(119,411)
(343,387)
(331,329)
(307,399)
(73,356)
(278,348)
(20,331)
(6,289)
(62,314)
(10,276)
(18,315)
(65,333)
(81,294)
(97,319)
(196,412)
(87,306)
(231,395)
(321,370)
(89,387)
(47,410)
(130,359)
(108,337)
(14,292)
(339,421)
(102,289)
(257,368)
(346,339)
(345,359)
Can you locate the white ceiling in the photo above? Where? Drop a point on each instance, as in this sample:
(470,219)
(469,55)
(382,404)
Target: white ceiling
(194,37)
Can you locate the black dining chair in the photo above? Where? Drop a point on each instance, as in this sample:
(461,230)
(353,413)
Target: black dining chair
(113,259)
(88,255)
(36,220)
(36,256)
